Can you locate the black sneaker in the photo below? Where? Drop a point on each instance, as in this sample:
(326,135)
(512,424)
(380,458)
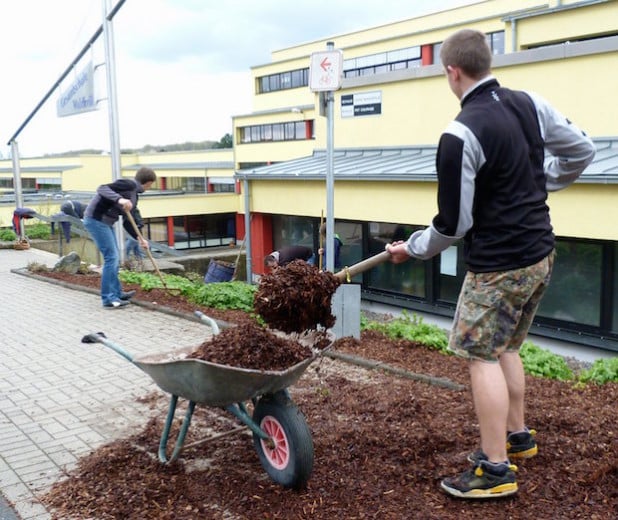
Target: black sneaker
(484,480)
(127,295)
(521,445)
(116,304)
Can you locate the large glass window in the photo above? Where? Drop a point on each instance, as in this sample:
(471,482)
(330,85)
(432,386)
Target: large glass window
(199,231)
(406,278)
(574,294)
(293,231)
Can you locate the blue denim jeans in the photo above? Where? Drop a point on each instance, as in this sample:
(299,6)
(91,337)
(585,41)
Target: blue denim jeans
(105,239)
(132,247)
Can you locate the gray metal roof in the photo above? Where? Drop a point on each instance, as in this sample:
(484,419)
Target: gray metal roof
(197,165)
(40,169)
(412,163)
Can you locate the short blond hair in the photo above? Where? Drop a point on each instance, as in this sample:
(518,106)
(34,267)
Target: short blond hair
(468,50)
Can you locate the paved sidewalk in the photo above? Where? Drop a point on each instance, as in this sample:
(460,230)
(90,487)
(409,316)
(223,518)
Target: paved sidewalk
(59,398)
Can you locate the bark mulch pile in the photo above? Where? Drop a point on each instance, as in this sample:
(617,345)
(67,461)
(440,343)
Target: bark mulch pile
(296,297)
(250,346)
(382,444)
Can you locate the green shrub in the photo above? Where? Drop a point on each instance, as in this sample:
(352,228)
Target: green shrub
(543,363)
(7,235)
(602,371)
(412,328)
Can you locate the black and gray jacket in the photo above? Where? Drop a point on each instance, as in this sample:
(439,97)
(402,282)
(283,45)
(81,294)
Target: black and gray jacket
(104,206)
(493,178)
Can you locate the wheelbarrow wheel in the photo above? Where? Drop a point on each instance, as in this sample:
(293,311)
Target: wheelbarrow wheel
(287,456)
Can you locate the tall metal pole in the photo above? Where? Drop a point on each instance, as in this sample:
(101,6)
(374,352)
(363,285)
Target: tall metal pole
(330,183)
(19,198)
(112,108)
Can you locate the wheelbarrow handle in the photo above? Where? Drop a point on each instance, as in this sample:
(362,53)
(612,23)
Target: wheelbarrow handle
(208,321)
(348,272)
(99,337)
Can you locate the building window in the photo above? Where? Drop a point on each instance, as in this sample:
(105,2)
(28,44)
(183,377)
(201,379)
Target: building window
(495,40)
(382,62)
(223,188)
(407,278)
(200,231)
(155,229)
(451,270)
(187,184)
(283,81)
(436,52)
(290,131)
(574,294)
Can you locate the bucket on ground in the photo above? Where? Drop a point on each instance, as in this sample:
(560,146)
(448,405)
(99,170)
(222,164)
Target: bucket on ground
(219,271)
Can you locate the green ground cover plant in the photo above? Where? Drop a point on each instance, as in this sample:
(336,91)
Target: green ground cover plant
(537,361)
(602,371)
(410,327)
(221,295)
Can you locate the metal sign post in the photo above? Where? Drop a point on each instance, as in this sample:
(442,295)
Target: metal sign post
(325,76)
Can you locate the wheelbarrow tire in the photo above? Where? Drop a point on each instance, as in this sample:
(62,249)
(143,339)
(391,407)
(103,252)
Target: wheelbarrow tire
(289,461)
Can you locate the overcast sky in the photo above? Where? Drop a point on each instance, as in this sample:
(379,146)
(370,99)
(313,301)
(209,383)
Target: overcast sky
(182,66)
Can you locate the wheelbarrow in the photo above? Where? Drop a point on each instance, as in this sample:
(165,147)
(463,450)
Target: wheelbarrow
(281,436)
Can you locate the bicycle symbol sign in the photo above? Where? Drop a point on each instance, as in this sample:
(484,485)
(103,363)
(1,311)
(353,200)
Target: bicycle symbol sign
(326,70)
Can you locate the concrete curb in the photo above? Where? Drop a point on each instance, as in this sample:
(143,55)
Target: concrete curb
(6,510)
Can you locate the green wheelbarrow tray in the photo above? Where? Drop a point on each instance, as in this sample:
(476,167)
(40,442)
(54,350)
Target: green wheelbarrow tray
(212,384)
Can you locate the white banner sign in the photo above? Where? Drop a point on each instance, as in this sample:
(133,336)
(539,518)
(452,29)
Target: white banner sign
(79,97)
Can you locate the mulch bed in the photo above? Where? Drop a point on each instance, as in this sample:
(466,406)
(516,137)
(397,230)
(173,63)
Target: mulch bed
(382,444)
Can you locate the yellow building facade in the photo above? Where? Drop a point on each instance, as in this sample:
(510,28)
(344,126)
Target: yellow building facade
(393,104)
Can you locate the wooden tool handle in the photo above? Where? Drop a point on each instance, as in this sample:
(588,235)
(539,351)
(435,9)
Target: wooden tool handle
(363,266)
(139,235)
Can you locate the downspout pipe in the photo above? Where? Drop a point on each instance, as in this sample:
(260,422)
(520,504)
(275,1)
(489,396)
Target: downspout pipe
(245,184)
(513,35)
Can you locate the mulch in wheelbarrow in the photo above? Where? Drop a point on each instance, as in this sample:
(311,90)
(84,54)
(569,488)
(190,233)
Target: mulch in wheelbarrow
(251,346)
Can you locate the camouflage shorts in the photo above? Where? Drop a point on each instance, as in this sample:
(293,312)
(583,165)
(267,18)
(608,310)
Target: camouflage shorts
(495,310)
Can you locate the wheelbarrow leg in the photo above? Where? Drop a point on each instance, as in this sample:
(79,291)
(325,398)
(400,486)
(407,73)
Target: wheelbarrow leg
(181,435)
(240,412)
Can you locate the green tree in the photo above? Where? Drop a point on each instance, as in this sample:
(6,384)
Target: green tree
(225,142)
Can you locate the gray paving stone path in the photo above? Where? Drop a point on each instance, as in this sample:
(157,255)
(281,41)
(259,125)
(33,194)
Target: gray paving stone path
(61,399)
